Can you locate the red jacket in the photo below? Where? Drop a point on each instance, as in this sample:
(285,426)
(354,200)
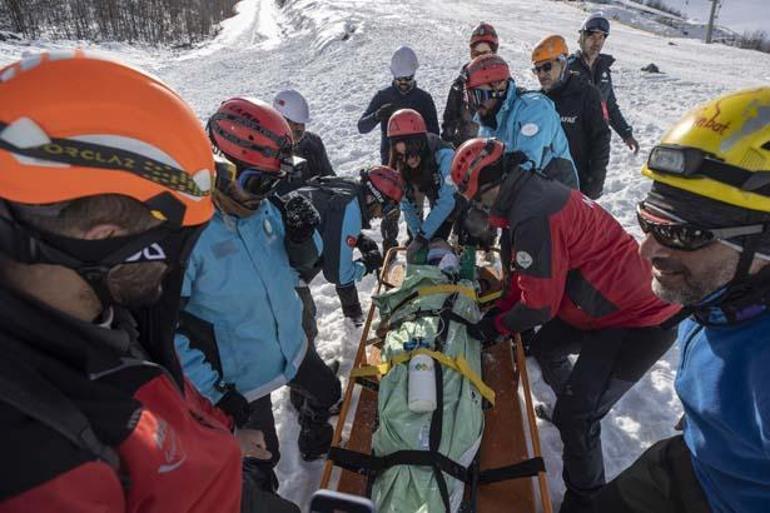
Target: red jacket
(176,451)
(570,258)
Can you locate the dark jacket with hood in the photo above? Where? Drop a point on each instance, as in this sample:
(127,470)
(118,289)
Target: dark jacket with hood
(579,105)
(416,99)
(458,125)
(600,77)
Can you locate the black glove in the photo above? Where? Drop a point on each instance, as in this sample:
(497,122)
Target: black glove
(301,217)
(370,253)
(485,330)
(384,112)
(235,405)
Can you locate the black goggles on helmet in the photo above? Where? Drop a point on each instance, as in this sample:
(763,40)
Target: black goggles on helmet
(686,162)
(685,236)
(479,96)
(258,182)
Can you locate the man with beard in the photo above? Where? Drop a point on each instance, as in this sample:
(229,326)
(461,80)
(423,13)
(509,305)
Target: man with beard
(403,93)
(579,105)
(458,125)
(576,271)
(594,67)
(707,226)
(526,122)
(105,186)
(240,334)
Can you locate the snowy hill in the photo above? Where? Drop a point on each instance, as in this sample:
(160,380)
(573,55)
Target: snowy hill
(337,53)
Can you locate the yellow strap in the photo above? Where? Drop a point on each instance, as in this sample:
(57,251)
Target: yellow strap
(490,297)
(447,289)
(458,364)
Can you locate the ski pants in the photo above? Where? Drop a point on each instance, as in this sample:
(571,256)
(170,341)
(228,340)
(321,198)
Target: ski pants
(662,480)
(610,361)
(315,381)
(309,312)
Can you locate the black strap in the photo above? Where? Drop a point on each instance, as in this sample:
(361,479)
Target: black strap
(526,468)
(367,464)
(23,389)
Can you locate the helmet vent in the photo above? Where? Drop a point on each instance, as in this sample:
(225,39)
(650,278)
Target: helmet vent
(752,160)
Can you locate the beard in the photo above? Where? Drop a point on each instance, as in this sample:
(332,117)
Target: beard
(675,283)
(137,285)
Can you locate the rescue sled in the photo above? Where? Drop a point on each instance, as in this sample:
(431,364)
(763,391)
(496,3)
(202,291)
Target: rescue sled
(507,473)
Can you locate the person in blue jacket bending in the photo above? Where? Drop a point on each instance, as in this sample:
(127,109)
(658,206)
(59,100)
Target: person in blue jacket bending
(240,333)
(424,161)
(345,207)
(526,122)
(707,226)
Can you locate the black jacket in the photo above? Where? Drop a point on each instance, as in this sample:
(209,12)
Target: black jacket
(312,149)
(600,77)
(458,125)
(579,105)
(416,99)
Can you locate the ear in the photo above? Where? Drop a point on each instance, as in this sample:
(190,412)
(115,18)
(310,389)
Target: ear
(103,231)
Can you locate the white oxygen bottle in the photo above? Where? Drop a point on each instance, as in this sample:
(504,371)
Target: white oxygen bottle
(422,384)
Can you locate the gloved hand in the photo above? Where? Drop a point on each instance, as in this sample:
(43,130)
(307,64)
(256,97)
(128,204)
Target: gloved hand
(370,253)
(632,144)
(235,405)
(414,249)
(301,217)
(384,112)
(486,329)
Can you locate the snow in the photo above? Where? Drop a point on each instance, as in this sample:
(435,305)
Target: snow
(336,52)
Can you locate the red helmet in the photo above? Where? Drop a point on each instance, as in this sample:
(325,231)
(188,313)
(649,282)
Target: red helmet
(406,122)
(484,33)
(252,133)
(486,69)
(385,184)
(471,159)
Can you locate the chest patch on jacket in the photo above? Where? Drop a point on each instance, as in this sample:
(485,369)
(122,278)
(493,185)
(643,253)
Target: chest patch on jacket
(530,129)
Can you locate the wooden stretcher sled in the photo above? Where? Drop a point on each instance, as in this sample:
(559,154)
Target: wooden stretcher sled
(510,444)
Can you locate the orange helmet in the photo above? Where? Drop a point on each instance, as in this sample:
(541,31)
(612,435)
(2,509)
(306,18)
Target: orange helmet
(486,69)
(549,48)
(484,33)
(405,122)
(474,165)
(251,133)
(73,126)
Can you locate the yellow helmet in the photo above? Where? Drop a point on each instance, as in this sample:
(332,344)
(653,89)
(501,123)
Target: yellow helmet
(720,150)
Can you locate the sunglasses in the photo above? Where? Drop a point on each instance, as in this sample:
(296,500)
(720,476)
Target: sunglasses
(543,68)
(687,236)
(258,182)
(405,79)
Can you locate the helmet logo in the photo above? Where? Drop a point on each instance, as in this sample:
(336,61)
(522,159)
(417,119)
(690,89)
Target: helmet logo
(151,253)
(712,124)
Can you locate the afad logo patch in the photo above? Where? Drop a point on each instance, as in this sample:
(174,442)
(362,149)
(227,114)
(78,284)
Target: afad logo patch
(351,241)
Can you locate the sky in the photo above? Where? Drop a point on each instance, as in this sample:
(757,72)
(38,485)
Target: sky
(738,15)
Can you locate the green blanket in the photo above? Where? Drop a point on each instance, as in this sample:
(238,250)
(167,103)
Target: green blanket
(413,489)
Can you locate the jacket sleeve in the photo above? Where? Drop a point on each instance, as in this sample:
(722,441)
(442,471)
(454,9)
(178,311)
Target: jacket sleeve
(431,116)
(617,121)
(541,262)
(368,120)
(324,166)
(411,216)
(445,203)
(534,132)
(339,266)
(197,368)
(452,111)
(598,134)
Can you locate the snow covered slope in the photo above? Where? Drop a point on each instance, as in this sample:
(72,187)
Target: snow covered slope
(337,53)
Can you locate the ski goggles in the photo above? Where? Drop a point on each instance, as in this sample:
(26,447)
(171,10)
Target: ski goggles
(479,96)
(686,162)
(685,236)
(260,183)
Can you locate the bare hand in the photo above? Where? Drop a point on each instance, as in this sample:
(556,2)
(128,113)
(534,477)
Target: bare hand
(632,144)
(253,444)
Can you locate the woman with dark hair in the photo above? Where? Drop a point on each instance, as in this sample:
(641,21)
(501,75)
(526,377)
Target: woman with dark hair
(424,161)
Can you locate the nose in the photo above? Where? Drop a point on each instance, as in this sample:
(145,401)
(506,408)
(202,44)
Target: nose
(651,248)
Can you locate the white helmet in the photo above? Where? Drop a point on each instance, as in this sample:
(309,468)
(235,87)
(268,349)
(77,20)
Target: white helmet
(403,63)
(292,106)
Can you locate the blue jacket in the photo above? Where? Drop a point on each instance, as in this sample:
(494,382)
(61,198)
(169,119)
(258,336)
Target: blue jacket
(242,320)
(724,384)
(527,122)
(416,99)
(338,201)
(442,199)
